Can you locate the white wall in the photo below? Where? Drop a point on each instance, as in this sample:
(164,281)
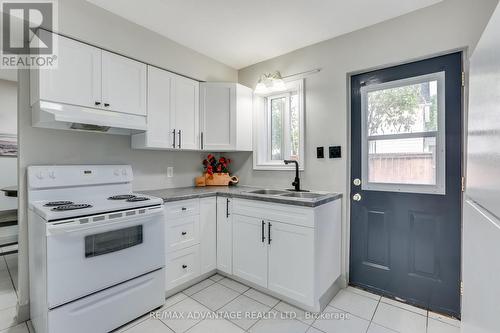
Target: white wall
(8,125)
(448,25)
(83,21)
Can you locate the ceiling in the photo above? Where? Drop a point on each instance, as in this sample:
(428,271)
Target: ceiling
(240,33)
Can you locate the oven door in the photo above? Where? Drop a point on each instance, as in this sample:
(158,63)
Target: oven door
(85,255)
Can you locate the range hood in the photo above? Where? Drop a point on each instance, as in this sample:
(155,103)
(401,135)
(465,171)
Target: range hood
(70,117)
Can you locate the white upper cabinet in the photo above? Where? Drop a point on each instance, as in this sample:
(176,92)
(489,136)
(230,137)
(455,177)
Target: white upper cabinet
(226,116)
(77,79)
(123,84)
(186,112)
(159,106)
(172,112)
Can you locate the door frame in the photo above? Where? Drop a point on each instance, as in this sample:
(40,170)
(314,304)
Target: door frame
(346,233)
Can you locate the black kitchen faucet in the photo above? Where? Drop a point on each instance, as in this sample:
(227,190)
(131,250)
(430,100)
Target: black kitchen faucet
(296,182)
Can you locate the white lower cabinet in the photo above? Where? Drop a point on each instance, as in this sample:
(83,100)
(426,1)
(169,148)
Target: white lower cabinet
(294,252)
(291,268)
(208,234)
(224,235)
(191,231)
(182,266)
(250,249)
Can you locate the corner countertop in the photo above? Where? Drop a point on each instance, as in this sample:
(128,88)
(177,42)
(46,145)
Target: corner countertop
(239,191)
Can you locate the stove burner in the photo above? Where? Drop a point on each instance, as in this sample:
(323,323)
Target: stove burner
(122,197)
(70,207)
(137,199)
(58,203)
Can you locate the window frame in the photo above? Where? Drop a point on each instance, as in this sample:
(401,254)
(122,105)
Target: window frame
(440,134)
(262,131)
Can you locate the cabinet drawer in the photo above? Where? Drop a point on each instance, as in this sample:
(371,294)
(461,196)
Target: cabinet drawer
(183,232)
(182,266)
(182,208)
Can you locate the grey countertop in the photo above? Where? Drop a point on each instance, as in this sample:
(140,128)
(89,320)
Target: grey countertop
(239,191)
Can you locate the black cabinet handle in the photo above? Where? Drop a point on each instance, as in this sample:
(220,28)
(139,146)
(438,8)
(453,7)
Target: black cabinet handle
(184,208)
(173,133)
(201,137)
(180,135)
(184,266)
(183,233)
(263,226)
(269,232)
(97,103)
(227,208)
(106,104)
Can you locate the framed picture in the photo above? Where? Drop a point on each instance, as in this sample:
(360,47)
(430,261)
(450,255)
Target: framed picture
(8,145)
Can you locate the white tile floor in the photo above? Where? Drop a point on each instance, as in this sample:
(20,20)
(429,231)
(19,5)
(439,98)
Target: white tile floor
(242,309)
(8,294)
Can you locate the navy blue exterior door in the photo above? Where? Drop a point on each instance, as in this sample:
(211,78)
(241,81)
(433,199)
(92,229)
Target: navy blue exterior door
(405,232)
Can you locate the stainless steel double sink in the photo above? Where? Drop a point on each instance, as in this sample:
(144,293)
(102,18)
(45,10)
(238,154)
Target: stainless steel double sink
(288,194)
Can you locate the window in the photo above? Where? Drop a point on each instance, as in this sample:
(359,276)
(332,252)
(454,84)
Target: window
(279,133)
(403,135)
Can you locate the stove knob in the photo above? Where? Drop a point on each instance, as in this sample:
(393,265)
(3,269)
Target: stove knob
(52,174)
(116,172)
(39,175)
(124,172)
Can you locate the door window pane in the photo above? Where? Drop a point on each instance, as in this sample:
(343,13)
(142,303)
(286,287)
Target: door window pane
(277,112)
(405,109)
(403,135)
(402,161)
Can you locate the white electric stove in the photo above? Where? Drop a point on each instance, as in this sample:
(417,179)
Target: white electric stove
(96,249)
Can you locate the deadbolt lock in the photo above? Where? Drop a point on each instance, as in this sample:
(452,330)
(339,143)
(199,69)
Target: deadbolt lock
(356,197)
(356,181)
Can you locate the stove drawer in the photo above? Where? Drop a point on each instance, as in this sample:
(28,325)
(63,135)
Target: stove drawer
(182,233)
(182,208)
(182,266)
(110,308)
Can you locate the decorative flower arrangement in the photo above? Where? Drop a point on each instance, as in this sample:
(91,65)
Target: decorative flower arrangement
(213,165)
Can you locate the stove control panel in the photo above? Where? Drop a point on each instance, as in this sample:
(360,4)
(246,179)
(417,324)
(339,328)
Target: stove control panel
(75,175)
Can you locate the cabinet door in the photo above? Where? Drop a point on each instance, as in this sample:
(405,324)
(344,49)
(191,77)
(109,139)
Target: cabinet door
(291,264)
(224,236)
(208,234)
(218,116)
(182,266)
(123,84)
(186,119)
(250,249)
(159,108)
(77,79)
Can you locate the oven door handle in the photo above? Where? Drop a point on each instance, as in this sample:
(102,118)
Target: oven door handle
(125,220)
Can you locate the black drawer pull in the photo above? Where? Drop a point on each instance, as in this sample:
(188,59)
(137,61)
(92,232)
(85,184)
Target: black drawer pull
(97,103)
(184,266)
(183,233)
(184,208)
(106,104)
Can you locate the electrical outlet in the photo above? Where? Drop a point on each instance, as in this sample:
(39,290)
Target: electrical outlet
(170,172)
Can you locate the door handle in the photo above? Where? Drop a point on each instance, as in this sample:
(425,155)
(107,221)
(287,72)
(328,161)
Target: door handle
(180,135)
(263,238)
(357,197)
(227,208)
(269,233)
(173,133)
